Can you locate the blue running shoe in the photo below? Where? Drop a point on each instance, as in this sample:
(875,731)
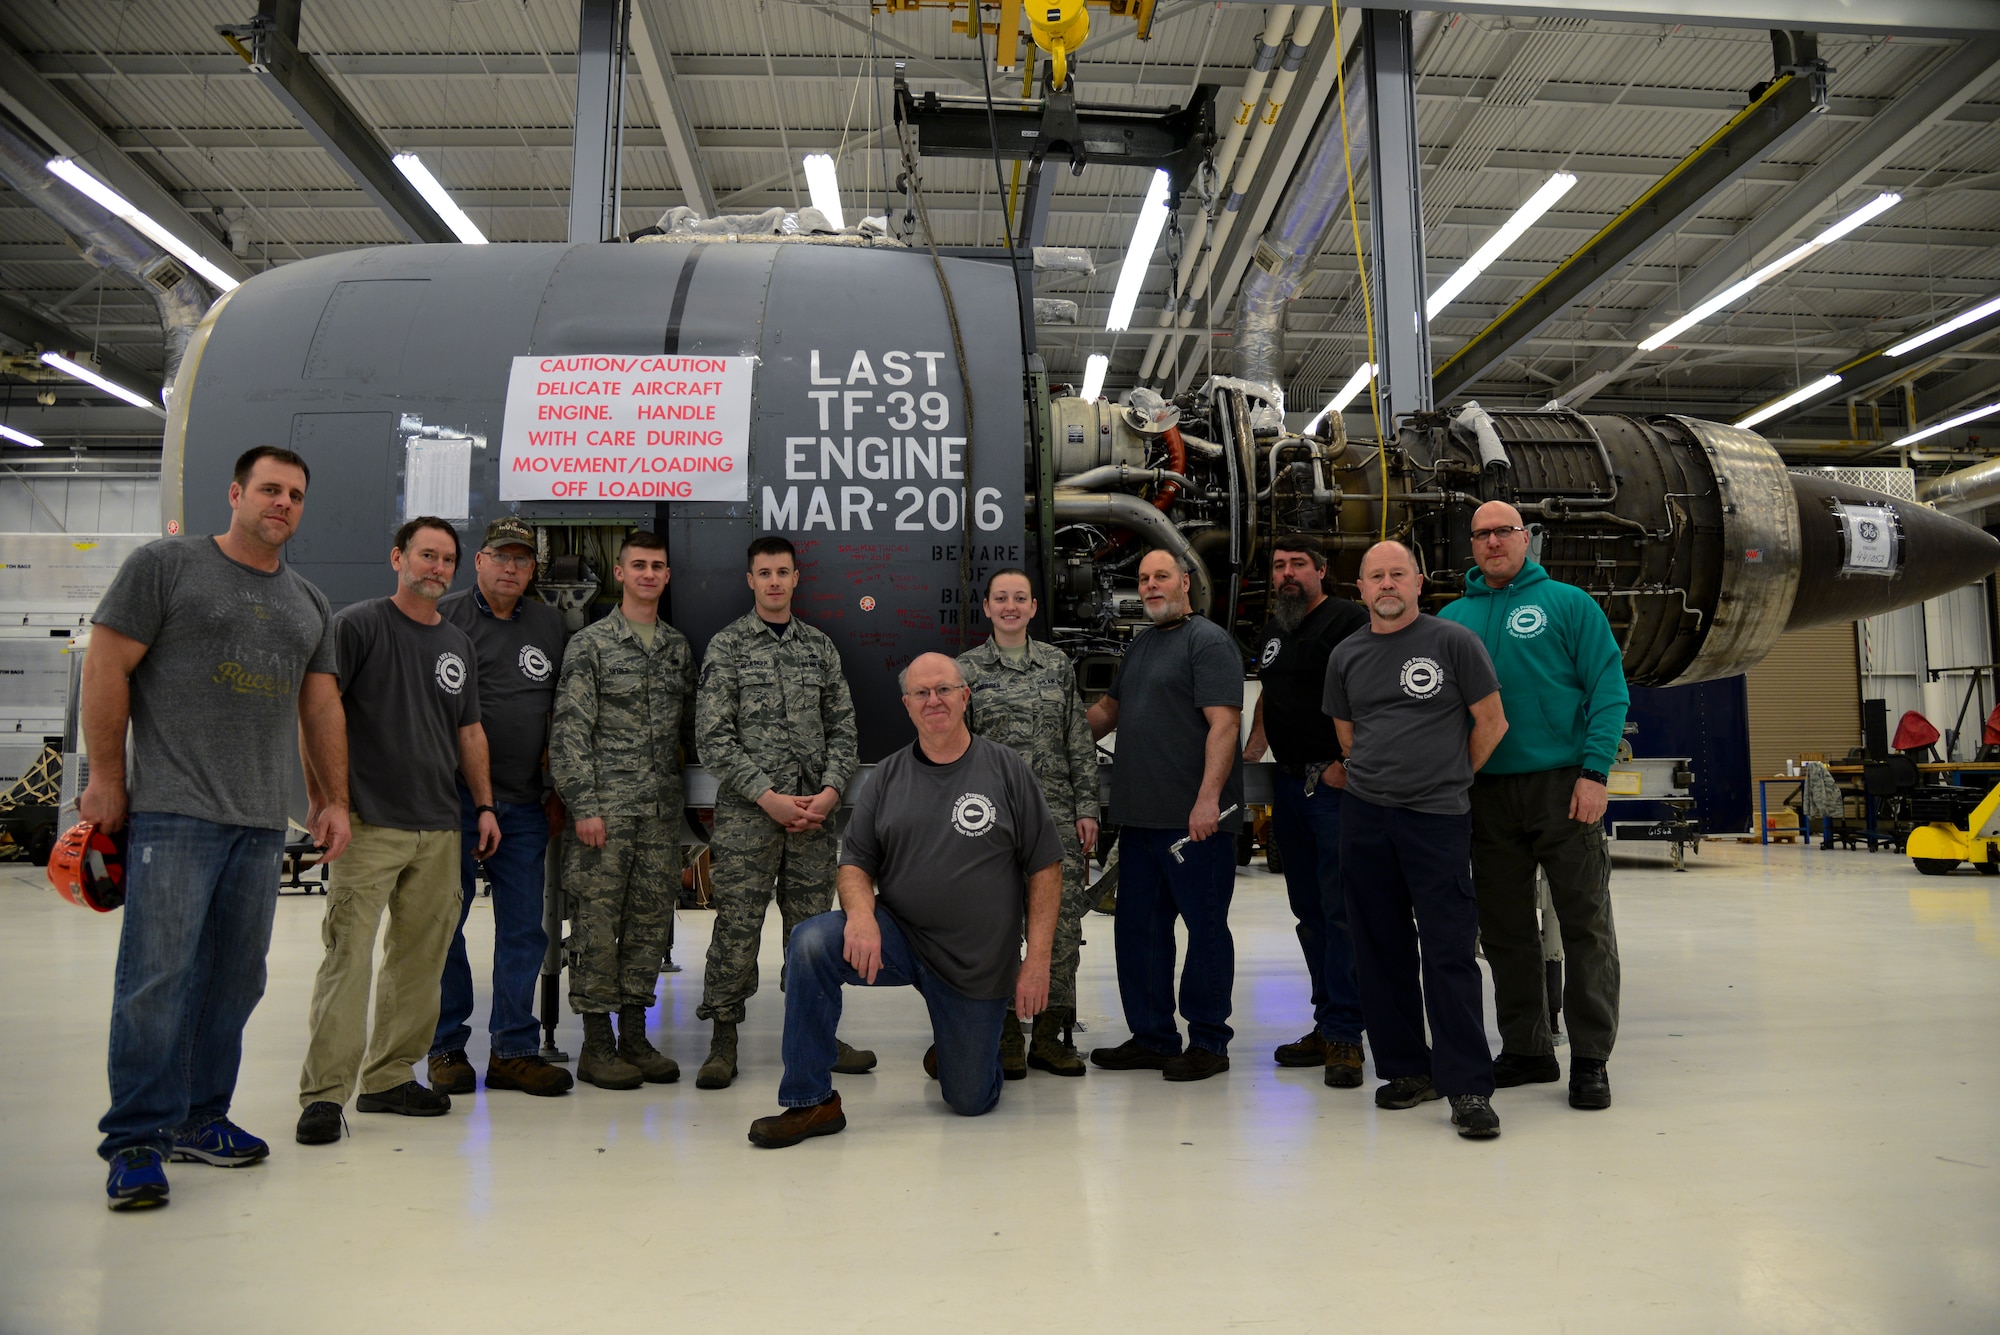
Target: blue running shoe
(137,1180)
(220,1142)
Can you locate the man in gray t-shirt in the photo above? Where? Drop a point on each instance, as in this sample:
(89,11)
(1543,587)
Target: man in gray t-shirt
(1417,710)
(213,650)
(410,683)
(1177,799)
(945,843)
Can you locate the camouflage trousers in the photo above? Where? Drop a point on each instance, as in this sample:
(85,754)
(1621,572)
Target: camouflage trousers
(621,910)
(755,859)
(1076,902)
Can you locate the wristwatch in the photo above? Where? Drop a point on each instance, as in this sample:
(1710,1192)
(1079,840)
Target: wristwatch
(1594,775)
(477,810)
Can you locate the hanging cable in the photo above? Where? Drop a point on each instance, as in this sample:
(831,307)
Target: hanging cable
(1361,271)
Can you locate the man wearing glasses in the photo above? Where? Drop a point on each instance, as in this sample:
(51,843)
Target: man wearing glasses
(519,642)
(1539,802)
(949,842)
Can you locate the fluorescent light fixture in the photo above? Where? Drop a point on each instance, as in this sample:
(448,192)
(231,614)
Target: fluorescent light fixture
(1496,245)
(1348,392)
(1093,374)
(1145,236)
(825,187)
(1947,425)
(441,203)
(124,209)
(1867,212)
(1915,341)
(19,437)
(84,373)
(1792,399)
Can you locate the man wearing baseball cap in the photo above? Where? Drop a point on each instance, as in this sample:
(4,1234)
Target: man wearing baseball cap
(519,643)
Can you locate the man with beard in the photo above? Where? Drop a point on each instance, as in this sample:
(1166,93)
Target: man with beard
(1177,797)
(1305,625)
(409,682)
(1417,708)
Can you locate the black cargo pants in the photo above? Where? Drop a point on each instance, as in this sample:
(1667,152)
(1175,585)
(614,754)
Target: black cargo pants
(1520,821)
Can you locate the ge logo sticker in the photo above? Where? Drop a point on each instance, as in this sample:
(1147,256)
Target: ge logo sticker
(451,672)
(1525,623)
(1869,529)
(1422,677)
(535,664)
(972,814)
(1272,647)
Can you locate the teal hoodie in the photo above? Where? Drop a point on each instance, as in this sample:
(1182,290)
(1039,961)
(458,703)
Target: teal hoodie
(1562,678)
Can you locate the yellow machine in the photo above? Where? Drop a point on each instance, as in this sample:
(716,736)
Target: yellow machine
(1953,834)
(1057,27)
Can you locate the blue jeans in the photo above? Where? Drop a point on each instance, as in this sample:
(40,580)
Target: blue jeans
(1416,923)
(198,903)
(1153,890)
(515,874)
(966,1029)
(1308,834)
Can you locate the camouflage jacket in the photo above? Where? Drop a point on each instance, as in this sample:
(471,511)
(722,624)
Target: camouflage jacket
(774,713)
(1037,710)
(624,721)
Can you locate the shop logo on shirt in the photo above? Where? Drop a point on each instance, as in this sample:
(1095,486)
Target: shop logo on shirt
(535,665)
(451,672)
(973,814)
(1272,648)
(1422,678)
(1525,623)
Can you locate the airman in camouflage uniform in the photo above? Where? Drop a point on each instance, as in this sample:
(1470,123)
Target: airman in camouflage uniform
(775,725)
(1025,696)
(624,725)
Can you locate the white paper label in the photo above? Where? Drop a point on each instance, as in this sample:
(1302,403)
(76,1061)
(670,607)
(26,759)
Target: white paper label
(632,427)
(1870,535)
(437,477)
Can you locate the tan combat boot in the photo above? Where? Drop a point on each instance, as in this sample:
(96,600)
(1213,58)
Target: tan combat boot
(1047,1051)
(654,1066)
(720,1068)
(1013,1049)
(599,1064)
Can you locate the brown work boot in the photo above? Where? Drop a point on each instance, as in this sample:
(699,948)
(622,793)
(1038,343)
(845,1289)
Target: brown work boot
(599,1064)
(1309,1050)
(529,1074)
(655,1067)
(720,1068)
(1047,1051)
(1013,1049)
(796,1124)
(1343,1065)
(852,1061)
(451,1073)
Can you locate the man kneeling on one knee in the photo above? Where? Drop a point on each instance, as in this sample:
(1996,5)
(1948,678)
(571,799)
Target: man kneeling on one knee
(942,845)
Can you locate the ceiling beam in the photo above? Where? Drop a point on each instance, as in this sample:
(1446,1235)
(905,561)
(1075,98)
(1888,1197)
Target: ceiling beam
(37,104)
(37,334)
(659,71)
(1947,84)
(1933,18)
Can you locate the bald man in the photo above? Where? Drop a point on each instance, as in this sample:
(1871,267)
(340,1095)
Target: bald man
(948,845)
(1417,708)
(1539,802)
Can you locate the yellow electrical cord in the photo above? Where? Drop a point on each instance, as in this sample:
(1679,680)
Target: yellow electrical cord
(1367,295)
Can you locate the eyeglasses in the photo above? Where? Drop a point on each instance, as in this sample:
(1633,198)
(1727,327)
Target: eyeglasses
(510,562)
(929,693)
(1495,534)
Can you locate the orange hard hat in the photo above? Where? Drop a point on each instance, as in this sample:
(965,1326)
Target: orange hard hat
(88,867)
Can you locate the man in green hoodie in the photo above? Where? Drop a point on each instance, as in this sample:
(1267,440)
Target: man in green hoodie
(1540,802)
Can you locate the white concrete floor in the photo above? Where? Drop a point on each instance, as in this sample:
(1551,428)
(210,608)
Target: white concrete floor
(1805,1138)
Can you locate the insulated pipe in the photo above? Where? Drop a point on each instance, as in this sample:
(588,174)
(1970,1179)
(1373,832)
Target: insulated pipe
(1967,489)
(1252,92)
(108,242)
(1109,475)
(1155,529)
(1474,423)
(1246,171)
(1311,203)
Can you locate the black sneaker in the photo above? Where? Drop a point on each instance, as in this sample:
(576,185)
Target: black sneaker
(409,1098)
(1518,1068)
(1195,1064)
(321,1124)
(1131,1055)
(1474,1117)
(1406,1091)
(1589,1086)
